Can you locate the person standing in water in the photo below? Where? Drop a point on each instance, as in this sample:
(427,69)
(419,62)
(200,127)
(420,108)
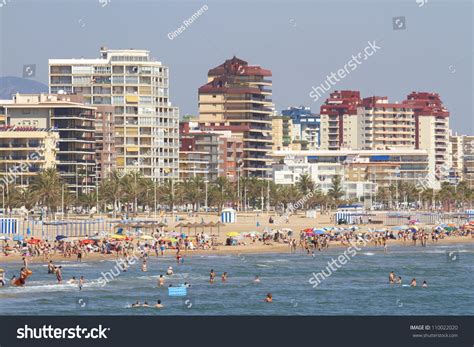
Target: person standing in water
(413,282)
(51,267)
(161,281)
(212,275)
(59,275)
(224,277)
(81,282)
(2,277)
(144,266)
(269,298)
(424,285)
(391,277)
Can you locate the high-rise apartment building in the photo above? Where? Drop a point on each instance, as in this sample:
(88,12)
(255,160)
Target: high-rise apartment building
(468,162)
(282,132)
(74,124)
(237,97)
(419,122)
(305,126)
(137,87)
(457,156)
(432,130)
(337,114)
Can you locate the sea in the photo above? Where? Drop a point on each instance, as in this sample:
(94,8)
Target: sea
(358,287)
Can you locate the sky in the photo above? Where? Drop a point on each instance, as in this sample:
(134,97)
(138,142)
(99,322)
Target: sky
(301,42)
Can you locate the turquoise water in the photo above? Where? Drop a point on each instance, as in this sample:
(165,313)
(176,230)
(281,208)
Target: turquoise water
(358,288)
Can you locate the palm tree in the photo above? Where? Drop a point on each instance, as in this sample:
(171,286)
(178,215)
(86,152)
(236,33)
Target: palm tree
(305,184)
(221,192)
(47,187)
(194,190)
(111,189)
(335,191)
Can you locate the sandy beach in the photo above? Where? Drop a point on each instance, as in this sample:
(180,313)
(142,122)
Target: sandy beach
(247,223)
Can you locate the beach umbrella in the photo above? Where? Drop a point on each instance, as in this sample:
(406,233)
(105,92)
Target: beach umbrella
(233,234)
(146,237)
(308,231)
(18,238)
(60,237)
(118,237)
(399,228)
(174,233)
(4,238)
(95,238)
(319,231)
(33,241)
(88,241)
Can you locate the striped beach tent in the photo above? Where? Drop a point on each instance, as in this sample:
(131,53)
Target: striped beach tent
(228,215)
(346,216)
(8,225)
(470,214)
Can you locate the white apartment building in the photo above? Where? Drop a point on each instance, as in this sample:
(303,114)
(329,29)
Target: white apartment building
(419,122)
(146,124)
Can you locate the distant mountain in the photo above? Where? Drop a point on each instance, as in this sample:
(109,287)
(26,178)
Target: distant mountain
(10,85)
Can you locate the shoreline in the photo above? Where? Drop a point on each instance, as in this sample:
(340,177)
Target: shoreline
(279,248)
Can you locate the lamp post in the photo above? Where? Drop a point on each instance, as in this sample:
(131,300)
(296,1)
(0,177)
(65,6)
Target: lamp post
(206,182)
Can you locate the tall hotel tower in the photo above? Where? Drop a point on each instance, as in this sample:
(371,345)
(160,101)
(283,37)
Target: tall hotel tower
(237,97)
(145,124)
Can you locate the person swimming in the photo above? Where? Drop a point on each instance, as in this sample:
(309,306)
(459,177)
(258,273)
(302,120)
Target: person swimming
(413,282)
(424,285)
(257,279)
(145,304)
(269,298)
(187,285)
(72,280)
(136,304)
(158,304)
(169,271)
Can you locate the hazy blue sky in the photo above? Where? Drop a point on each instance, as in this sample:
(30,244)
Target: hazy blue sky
(300,41)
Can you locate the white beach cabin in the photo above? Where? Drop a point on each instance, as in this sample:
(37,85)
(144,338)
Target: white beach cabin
(228,215)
